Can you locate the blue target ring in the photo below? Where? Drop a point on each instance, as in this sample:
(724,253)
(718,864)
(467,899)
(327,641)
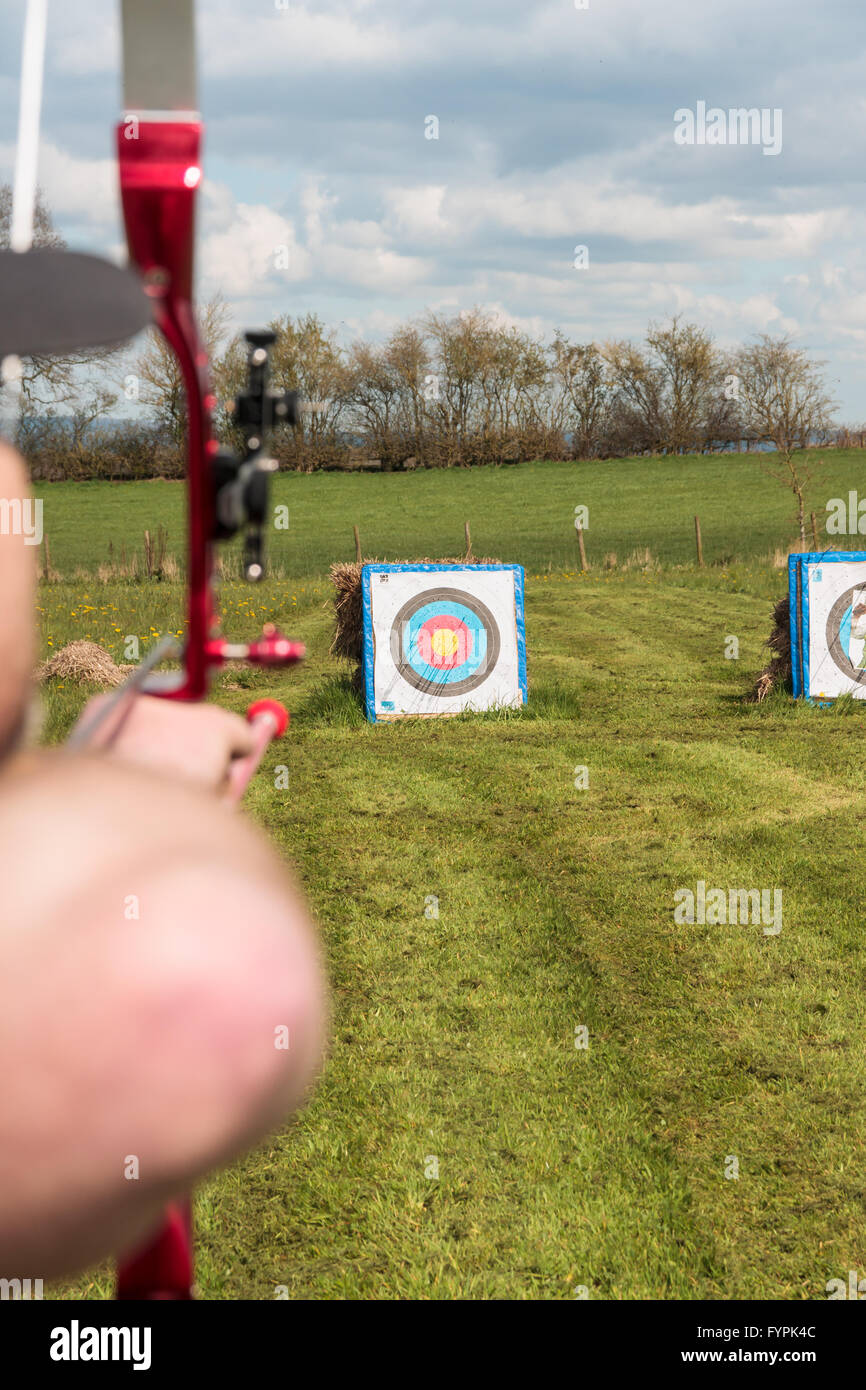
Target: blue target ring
(444,642)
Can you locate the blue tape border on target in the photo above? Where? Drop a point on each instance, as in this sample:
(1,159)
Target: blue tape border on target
(367,571)
(793,625)
(798,579)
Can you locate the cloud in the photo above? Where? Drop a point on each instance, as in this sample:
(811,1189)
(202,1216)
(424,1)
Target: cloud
(255,250)
(417,213)
(555,129)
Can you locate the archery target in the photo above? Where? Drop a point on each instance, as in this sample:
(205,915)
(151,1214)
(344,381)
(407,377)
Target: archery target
(440,639)
(833,616)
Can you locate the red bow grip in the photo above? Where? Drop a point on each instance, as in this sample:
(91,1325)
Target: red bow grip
(162,1269)
(269,720)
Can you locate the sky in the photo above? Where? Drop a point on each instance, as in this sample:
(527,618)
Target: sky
(558,128)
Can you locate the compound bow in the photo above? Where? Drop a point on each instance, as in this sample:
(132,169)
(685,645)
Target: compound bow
(159,154)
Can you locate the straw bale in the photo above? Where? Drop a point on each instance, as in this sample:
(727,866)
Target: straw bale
(82,663)
(777,672)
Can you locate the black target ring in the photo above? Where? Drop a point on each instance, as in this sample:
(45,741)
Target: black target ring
(461,604)
(834,643)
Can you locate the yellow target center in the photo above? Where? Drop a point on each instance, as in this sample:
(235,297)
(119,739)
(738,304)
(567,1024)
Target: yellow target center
(445,642)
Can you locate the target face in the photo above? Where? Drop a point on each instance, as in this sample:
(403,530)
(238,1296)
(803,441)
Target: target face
(846,631)
(827,595)
(442,638)
(444,642)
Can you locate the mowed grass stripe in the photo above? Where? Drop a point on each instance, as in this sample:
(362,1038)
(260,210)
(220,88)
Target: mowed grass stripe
(577,951)
(454,1036)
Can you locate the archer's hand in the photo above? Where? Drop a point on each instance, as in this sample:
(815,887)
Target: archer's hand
(195,743)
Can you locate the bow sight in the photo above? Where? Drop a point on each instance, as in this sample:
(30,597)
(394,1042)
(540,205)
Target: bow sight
(241,481)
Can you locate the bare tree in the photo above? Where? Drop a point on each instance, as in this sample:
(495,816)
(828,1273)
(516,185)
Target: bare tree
(671,388)
(489,381)
(45,234)
(459,346)
(582,395)
(783,399)
(690,371)
(639,390)
(408,358)
(386,389)
(307,358)
(157,370)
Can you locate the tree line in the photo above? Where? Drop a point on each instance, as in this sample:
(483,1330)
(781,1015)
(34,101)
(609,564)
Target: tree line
(456,391)
(440,392)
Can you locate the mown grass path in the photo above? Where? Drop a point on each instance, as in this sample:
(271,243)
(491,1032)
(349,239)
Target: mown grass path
(604,1167)
(454,1035)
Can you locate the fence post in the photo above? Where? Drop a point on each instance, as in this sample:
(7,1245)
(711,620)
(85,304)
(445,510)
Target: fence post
(357,545)
(698,542)
(579,530)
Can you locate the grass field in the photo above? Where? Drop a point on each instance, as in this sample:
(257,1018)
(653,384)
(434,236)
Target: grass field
(560,1168)
(526,512)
